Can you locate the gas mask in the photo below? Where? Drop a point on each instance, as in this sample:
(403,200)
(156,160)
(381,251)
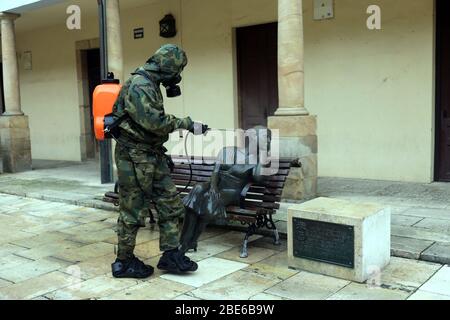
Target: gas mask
(173,90)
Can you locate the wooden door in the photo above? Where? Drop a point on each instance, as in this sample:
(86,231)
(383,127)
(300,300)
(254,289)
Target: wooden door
(443,91)
(257,73)
(2,97)
(93,71)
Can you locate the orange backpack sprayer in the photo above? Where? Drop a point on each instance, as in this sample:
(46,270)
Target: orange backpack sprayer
(105,95)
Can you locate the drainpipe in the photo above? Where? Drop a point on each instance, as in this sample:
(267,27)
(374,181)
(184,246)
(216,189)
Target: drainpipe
(106,164)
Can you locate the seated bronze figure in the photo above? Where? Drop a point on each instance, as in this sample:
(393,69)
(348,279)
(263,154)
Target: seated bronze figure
(234,169)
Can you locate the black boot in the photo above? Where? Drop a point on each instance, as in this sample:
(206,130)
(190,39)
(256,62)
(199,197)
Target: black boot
(131,268)
(174,261)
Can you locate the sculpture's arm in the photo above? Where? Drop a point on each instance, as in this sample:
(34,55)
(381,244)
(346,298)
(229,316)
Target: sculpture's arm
(244,194)
(215,177)
(258,177)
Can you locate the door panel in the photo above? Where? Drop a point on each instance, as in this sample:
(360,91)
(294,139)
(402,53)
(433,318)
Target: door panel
(2,97)
(257,73)
(443,91)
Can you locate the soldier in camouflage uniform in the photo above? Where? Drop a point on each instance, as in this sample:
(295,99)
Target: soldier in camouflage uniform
(143,167)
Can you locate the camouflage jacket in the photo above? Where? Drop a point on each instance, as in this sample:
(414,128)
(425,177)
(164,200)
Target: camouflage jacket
(142,100)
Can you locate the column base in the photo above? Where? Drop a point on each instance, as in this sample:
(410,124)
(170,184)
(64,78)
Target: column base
(15,143)
(12,113)
(291,112)
(298,139)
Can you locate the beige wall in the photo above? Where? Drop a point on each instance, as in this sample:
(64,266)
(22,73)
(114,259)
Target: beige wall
(50,91)
(372,90)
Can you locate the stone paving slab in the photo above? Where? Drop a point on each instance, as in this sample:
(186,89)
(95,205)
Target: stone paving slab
(438,252)
(209,270)
(266,296)
(274,266)
(403,220)
(355,291)
(308,286)
(424,295)
(186,297)
(435,225)
(92,289)
(419,233)
(29,270)
(428,213)
(92,267)
(256,254)
(49,249)
(268,243)
(237,286)
(4,283)
(407,275)
(38,286)
(41,239)
(439,283)
(156,289)
(232,239)
(89,237)
(9,248)
(85,252)
(207,250)
(12,260)
(409,248)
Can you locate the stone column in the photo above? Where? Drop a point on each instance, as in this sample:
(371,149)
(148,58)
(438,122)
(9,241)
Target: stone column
(115,50)
(10,66)
(14,128)
(290,58)
(297,129)
(114,39)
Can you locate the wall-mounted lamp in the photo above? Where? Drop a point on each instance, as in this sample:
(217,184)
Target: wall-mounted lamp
(167,27)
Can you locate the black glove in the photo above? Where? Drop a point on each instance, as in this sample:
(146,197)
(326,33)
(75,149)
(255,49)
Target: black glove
(199,128)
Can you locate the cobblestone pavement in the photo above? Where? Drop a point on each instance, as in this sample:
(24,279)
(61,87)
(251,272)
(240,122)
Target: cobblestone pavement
(51,250)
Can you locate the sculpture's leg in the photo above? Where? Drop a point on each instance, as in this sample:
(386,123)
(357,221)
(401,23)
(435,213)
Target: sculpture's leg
(244,251)
(202,223)
(190,224)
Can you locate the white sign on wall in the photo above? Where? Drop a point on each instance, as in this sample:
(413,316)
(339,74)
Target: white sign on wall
(323,9)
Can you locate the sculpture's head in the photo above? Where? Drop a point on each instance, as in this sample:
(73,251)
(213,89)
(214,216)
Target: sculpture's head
(259,140)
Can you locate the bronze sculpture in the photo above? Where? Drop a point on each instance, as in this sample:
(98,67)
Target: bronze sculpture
(234,169)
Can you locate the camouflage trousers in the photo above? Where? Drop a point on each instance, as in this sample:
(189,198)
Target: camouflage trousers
(144,178)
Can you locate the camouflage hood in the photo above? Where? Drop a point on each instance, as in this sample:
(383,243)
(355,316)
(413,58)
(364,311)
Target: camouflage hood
(168,62)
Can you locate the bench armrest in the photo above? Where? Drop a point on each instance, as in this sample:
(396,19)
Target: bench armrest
(244,195)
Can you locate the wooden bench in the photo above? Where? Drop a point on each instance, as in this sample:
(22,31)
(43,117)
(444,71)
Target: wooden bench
(258,204)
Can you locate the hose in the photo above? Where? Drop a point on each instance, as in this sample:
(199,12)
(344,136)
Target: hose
(189,162)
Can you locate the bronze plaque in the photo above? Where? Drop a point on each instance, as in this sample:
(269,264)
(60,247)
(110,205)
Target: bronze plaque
(325,242)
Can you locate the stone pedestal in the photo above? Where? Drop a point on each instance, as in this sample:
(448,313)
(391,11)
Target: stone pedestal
(298,139)
(339,238)
(15,143)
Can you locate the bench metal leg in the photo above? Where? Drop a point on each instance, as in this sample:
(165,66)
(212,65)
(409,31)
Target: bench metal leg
(272,226)
(276,237)
(244,251)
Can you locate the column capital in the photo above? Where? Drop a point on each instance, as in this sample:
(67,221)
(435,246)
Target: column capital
(9,16)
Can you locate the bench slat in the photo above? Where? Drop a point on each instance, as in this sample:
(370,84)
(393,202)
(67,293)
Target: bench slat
(185,174)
